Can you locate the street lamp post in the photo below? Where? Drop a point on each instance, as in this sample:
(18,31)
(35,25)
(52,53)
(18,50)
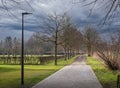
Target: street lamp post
(22,51)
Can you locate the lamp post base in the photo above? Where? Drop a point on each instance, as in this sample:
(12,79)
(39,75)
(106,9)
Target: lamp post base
(22,86)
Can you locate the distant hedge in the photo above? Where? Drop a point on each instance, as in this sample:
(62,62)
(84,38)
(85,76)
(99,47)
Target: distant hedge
(27,59)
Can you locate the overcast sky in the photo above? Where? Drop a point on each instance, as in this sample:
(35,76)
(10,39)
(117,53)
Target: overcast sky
(10,19)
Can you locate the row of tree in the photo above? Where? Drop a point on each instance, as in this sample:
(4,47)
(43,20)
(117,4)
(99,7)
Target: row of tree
(61,33)
(10,46)
(106,48)
(58,36)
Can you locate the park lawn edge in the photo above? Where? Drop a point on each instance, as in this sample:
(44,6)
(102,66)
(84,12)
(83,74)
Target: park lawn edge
(106,77)
(61,64)
(33,73)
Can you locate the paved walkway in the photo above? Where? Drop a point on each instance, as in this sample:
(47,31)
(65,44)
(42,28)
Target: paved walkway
(76,75)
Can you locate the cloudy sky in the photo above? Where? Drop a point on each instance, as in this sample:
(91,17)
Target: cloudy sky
(10,15)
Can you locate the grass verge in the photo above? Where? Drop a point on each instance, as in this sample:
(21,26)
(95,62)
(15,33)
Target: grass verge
(10,74)
(106,77)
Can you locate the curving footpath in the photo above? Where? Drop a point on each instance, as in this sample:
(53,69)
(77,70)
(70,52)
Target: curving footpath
(76,75)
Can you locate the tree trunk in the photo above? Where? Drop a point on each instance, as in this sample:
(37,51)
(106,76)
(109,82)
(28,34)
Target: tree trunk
(89,50)
(55,53)
(56,39)
(65,52)
(68,54)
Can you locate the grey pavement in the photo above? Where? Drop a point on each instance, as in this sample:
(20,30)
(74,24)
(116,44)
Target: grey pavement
(76,75)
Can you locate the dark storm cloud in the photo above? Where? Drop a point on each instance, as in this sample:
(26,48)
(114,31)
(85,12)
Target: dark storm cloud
(11,20)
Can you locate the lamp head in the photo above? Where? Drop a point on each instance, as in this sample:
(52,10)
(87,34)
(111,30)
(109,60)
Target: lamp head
(26,13)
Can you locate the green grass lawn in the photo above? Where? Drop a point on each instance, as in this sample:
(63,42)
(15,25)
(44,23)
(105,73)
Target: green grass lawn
(10,74)
(105,76)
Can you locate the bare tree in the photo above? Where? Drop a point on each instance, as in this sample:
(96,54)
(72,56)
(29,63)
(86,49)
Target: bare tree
(65,38)
(111,7)
(109,51)
(72,40)
(1,47)
(91,37)
(37,44)
(8,47)
(7,4)
(53,27)
(16,47)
